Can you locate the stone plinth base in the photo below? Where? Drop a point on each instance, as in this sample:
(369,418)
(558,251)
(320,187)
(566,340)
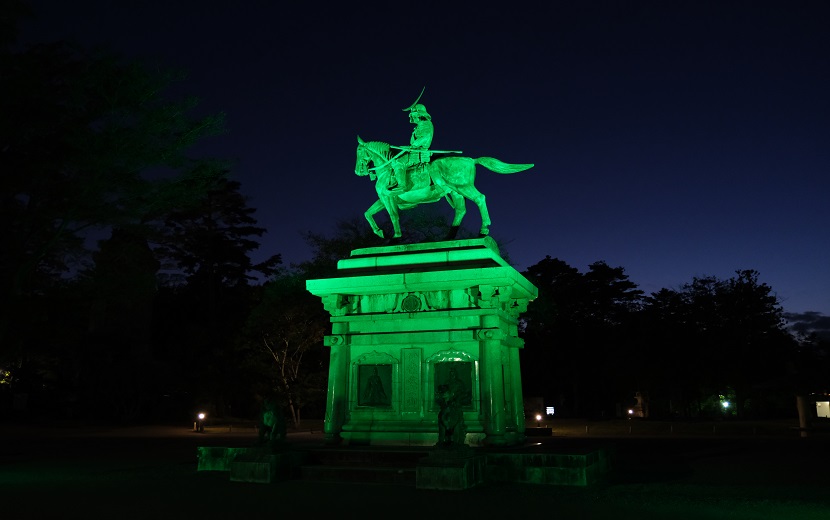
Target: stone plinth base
(403,318)
(574,469)
(259,465)
(217,458)
(387,438)
(261,470)
(450,470)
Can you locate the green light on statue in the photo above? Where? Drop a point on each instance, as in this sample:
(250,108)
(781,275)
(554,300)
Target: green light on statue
(406,176)
(401,308)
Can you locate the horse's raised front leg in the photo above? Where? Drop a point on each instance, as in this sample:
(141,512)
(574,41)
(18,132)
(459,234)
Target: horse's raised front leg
(370,217)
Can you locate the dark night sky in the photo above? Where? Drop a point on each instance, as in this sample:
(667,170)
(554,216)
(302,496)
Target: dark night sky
(672,141)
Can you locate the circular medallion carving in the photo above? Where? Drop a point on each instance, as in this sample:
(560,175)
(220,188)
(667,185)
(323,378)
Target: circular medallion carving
(411,303)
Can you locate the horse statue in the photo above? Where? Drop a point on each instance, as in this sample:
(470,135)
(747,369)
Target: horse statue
(452,178)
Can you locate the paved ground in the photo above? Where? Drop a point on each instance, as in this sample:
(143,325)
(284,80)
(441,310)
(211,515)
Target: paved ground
(661,471)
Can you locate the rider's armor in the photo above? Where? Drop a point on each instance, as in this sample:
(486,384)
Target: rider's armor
(417,159)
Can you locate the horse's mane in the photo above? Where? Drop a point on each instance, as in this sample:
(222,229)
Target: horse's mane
(379,147)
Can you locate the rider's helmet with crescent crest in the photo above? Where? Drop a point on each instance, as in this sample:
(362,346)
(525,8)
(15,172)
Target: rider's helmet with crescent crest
(418,112)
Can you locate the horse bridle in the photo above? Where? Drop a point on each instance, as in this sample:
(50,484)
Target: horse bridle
(380,155)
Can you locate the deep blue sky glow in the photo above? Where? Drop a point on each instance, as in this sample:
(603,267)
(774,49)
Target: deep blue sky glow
(672,141)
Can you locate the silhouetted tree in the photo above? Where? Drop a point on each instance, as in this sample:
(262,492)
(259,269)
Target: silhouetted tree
(120,375)
(211,241)
(80,135)
(757,349)
(576,334)
(202,316)
(666,363)
(327,250)
(283,345)
(725,337)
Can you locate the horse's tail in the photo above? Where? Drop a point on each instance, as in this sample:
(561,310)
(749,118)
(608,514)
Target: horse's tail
(497,166)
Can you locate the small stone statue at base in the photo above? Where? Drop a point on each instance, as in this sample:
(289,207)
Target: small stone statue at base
(272,427)
(452,431)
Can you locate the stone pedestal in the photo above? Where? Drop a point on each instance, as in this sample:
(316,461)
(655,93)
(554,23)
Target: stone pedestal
(255,464)
(576,468)
(216,458)
(258,468)
(450,470)
(409,318)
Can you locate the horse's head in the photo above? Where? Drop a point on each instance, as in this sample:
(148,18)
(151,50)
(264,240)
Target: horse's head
(361,166)
(370,152)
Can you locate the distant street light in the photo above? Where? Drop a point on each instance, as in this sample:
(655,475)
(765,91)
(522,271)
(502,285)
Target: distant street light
(199,425)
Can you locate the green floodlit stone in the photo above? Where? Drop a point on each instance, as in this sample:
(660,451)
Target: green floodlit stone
(404,316)
(432,266)
(484,243)
(406,176)
(215,458)
(424,281)
(410,311)
(484,250)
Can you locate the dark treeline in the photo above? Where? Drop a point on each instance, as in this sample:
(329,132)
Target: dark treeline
(710,348)
(129,292)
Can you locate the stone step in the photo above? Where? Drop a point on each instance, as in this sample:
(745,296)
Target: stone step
(361,474)
(425,468)
(366,457)
(381,465)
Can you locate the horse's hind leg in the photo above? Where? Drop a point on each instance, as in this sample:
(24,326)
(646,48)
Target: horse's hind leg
(459,204)
(472,193)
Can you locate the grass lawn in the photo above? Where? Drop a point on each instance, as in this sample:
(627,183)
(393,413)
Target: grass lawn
(752,471)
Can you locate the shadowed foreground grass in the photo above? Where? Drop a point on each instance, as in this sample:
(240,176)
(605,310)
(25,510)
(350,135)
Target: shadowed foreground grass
(150,472)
